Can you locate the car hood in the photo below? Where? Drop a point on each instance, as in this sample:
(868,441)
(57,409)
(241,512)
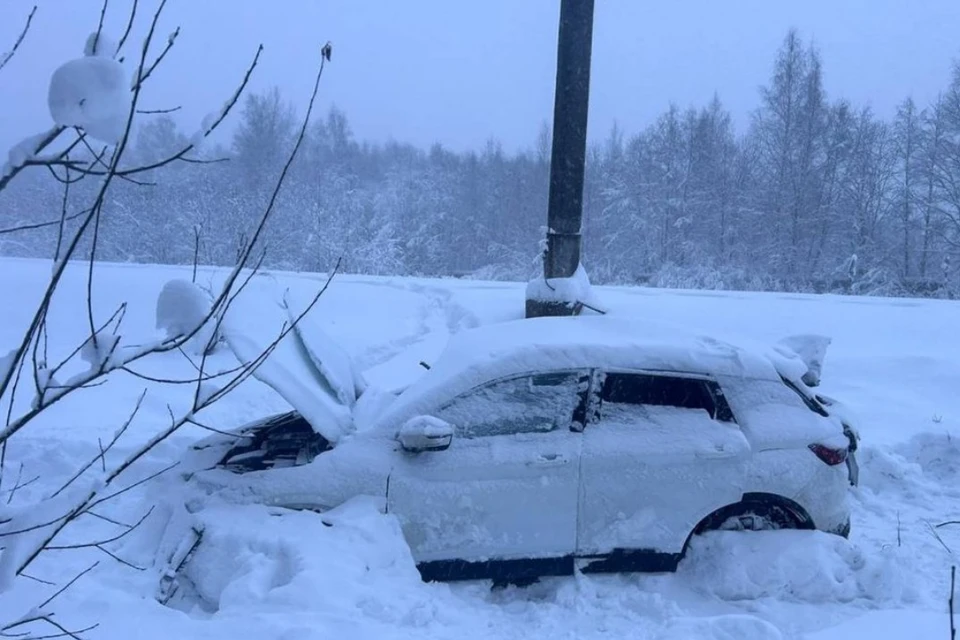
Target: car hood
(304,364)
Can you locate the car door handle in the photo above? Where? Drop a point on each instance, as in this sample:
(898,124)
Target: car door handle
(547,460)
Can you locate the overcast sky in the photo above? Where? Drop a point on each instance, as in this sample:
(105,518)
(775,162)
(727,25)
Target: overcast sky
(461,71)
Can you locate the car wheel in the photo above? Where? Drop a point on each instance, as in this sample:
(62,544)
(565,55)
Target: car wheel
(751,516)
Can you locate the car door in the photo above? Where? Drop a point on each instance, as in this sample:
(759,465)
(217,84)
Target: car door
(661,452)
(507,487)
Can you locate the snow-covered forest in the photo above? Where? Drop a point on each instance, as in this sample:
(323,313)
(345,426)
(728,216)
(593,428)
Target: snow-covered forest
(815,194)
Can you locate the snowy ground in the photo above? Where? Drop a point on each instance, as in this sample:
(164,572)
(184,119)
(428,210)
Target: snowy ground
(288,577)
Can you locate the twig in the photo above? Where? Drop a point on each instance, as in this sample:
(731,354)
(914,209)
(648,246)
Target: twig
(52,134)
(63,216)
(36,579)
(87,545)
(117,316)
(42,225)
(103,452)
(150,112)
(936,535)
(64,632)
(19,40)
(106,519)
(143,75)
(204,160)
(98,160)
(69,584)
(181,381)
(197,423)
(898,528)
(136,457)
(17,484)
(197,230)
(953,578)
(119,559)
(126,33)
(103,456)
(96,37)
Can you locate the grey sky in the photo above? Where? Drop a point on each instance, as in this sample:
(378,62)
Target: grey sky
(462,71)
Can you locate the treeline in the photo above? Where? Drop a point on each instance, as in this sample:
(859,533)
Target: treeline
(816,195)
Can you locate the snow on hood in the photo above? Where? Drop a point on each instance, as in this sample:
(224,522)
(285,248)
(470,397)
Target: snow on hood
(307,368)
(478,355)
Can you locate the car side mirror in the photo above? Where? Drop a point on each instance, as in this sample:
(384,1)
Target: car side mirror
(425,433)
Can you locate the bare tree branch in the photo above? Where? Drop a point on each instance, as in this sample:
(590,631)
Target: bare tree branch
(107,356)
(143,75)
(98,543)
(96,37)
(116,436)
(146,112)
(45,141)
(41,225)
(16,45)
(72,247)
(62,589)
(181,154)
(126,32)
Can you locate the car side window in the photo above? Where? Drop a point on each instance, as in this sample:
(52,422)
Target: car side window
(640,396)
(536,403)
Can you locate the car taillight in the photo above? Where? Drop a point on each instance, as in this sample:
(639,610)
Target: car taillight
(829,455)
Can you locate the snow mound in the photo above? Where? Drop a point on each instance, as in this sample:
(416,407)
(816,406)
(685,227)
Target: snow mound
(91,93)
(182,306)
(352,558)
(937,454)
(99,44)
(808,567)
(918,469)
(576,288)
(888,624)
(728,627)
(812,349)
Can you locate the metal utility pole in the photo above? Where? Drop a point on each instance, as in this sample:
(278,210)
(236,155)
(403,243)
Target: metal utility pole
(571,101)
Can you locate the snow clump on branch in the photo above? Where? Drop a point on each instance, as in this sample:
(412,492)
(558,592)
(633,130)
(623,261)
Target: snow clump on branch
(91,93)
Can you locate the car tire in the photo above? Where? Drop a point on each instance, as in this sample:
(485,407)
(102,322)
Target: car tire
(759,513)
(754,515)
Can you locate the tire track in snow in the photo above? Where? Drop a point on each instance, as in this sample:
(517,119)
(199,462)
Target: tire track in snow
(438,317)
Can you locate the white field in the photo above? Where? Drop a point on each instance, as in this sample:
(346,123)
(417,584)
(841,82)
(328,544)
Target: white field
(897,362)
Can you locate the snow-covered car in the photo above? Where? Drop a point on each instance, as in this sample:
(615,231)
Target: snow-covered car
(538,446)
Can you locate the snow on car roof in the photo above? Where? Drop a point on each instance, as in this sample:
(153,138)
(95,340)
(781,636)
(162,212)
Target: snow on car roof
(490,352)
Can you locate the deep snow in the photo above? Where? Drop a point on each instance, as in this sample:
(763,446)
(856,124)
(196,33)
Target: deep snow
(896,362)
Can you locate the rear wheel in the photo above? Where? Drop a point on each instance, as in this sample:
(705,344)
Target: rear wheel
(757,517)
(754,515)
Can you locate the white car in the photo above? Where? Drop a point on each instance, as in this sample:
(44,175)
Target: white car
(535,447)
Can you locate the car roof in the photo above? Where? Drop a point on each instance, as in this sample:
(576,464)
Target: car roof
(490,352)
